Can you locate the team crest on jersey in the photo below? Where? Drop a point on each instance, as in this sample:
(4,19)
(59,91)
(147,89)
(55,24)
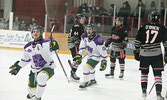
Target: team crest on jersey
(114,36)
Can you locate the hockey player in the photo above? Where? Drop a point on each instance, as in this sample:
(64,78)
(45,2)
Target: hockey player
(118,40)
(148,52)
(74,39)
(38,53)
(96,53)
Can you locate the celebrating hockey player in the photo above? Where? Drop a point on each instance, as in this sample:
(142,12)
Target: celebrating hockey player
(148,52)
(38,53)
(118,42)
(74,39)
(96,53)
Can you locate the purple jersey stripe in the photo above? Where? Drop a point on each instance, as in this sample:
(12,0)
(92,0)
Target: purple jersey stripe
(41,85)
(86,73)
(92,72)
(26,60)
(103,56)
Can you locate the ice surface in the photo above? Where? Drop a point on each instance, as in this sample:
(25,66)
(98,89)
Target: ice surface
(15,87)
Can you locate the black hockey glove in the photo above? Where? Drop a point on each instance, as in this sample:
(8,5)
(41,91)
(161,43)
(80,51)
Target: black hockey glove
(15,68)
(78,59)
(108,42)
(122,46)
(103,65)
(137,54)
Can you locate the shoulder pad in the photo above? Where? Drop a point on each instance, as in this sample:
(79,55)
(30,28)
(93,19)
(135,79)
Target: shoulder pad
(76,25)
(43,41)
(98,40)
(84,35)
(28,44)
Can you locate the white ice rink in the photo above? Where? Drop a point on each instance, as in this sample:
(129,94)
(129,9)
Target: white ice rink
(15,87)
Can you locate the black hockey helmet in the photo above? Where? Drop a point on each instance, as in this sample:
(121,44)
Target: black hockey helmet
(37,27)
(78,17)
(119,19)
(154,17)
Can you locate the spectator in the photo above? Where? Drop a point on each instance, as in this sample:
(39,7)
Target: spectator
(99,11)
(124,10)
(16,24)
(143,8)
(128,6)
(23,26)
(152,7)
(32,23)
(111,10)
(162,9)
(2,23)
(83,9)
(90,10)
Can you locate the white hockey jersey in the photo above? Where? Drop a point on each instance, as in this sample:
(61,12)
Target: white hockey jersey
(38,55)
(96,48)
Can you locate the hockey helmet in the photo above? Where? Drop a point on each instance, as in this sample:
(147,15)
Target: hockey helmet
(90,25)
(119,19)
(154,17)
(78,17)
(37,27)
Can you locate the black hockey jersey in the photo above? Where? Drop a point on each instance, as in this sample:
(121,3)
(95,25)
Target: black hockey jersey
(119,35)
(75,35)
(148,39)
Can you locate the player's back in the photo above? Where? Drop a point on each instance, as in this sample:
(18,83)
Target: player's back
(149,37)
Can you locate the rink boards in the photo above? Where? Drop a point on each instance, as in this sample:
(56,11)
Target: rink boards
(16,40)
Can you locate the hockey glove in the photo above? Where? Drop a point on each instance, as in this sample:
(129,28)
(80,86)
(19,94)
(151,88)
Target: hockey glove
(78,59)
(137,54)
(15,68)
(108,42)
(54,46)
(122,46)
(103,65)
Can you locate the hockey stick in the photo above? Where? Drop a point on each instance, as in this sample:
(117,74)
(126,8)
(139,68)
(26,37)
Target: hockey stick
(154,83)
(58,55)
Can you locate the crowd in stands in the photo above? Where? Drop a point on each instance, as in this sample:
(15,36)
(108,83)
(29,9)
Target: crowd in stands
(18,24)
(125,11)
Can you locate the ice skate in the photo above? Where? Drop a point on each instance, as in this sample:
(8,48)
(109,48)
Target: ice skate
(83,85)
(121,75)
(159,97)
(74,77)
(92,82)
(30,96)
(144,94)
(110,75)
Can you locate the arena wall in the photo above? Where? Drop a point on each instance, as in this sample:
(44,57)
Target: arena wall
(15,40)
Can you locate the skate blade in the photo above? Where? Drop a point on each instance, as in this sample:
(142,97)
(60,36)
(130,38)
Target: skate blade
(83,89)
(144,98)
(92,85)
(109,77)
(73,80)
(121,78)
